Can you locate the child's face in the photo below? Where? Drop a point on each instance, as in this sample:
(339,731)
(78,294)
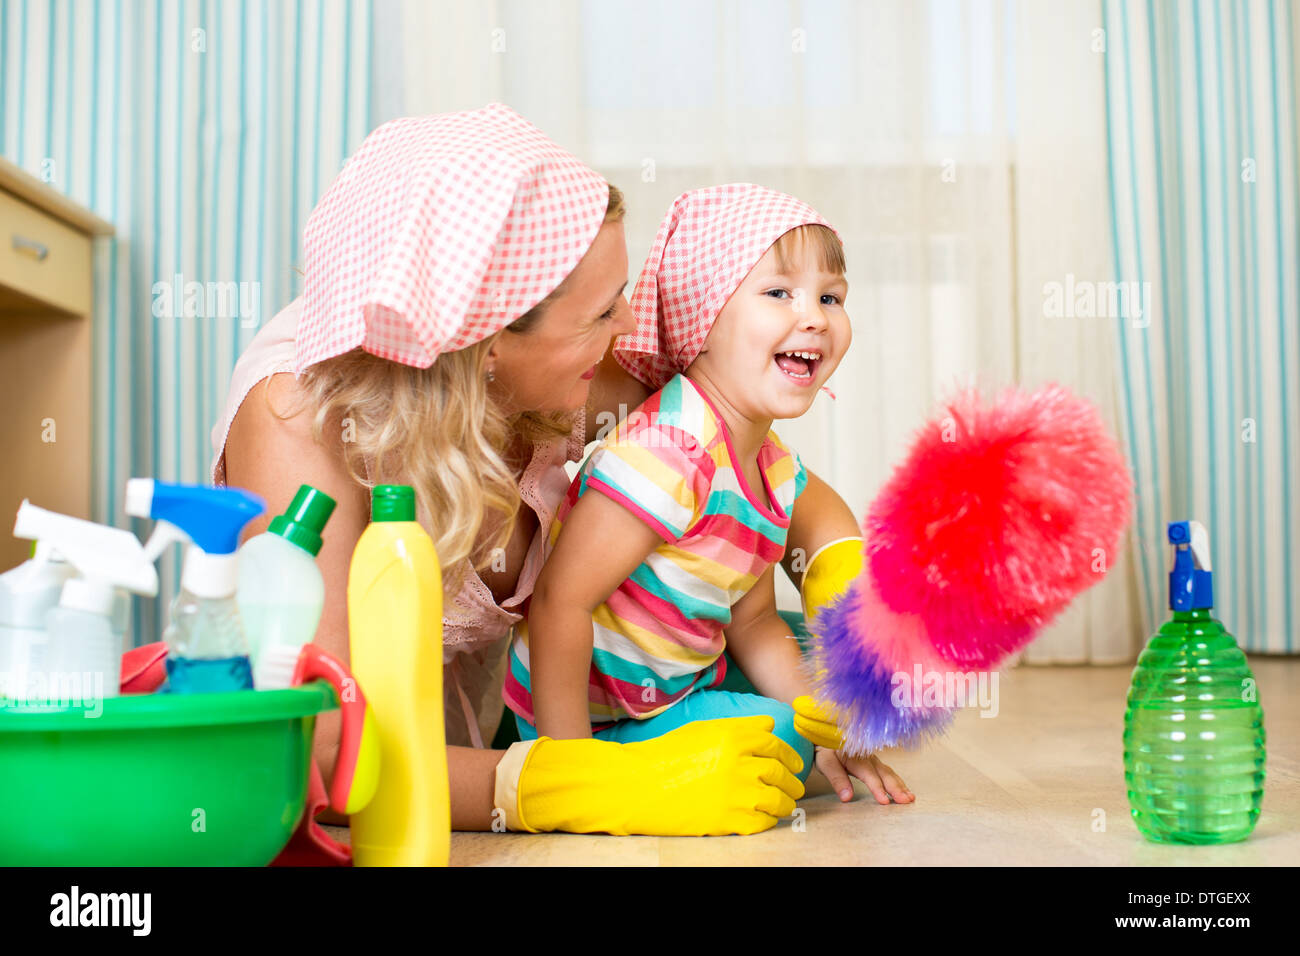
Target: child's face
(770,314)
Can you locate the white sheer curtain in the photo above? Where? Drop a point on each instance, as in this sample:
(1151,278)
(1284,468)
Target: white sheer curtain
(959,146)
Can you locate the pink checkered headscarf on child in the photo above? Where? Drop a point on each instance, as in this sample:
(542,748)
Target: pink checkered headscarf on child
(440,231)
(706,245)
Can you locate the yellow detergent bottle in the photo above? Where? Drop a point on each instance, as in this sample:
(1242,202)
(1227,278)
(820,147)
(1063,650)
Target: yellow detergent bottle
(395,632)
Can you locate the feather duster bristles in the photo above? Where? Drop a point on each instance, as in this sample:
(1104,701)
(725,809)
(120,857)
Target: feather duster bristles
(997,518)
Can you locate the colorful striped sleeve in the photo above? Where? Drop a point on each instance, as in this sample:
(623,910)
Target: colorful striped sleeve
(659,473)
(785,471)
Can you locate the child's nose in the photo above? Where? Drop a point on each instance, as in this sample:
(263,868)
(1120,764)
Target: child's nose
(812,319)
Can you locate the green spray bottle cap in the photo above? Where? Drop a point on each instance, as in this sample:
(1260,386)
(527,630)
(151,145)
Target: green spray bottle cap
(304,519)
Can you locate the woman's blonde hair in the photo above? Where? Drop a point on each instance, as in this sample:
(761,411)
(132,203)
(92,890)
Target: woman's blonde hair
(438,430)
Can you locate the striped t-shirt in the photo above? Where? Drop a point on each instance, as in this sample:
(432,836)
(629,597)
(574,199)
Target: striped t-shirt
(659,636)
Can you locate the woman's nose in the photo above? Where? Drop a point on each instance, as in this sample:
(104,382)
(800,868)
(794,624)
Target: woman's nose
(624,320)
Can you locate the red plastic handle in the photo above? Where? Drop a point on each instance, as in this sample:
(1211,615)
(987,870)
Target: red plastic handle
(314,664)
(144,668)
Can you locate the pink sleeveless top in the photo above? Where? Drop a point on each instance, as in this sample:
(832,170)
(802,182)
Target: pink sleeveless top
(475,628)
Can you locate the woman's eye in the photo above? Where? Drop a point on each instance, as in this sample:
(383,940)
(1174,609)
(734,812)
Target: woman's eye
(609,313)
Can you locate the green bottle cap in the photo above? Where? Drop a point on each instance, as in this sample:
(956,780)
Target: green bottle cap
(392,503)
(304,519)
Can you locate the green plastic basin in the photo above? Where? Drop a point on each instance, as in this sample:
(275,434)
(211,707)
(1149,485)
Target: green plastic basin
(157,779)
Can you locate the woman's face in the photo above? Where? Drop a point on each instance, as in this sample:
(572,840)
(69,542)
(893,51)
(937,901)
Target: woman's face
(549,368)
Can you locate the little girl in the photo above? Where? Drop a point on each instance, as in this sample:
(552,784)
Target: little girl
(740,321)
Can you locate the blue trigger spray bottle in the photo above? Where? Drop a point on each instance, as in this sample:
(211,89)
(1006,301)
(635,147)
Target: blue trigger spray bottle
(207,649)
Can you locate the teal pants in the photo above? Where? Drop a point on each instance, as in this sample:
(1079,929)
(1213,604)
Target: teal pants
(702,705)
(737,697)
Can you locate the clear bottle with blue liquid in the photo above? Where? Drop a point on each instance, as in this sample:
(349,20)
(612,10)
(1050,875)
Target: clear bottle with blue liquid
(207,649)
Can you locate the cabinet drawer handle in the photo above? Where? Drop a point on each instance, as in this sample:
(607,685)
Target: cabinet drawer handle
(30,248)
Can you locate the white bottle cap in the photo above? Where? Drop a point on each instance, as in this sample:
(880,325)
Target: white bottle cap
(274,668)
(82,595)
(210,575)
(139,497)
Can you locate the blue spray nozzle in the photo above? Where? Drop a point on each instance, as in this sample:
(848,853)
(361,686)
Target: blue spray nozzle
(212,517)
(1191,581)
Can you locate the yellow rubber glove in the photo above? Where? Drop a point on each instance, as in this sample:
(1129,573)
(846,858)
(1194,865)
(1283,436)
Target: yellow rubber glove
(831,570)
(816,724)
(707,778)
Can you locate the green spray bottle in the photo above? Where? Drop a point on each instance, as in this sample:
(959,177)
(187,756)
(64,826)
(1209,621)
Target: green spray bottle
(1193,729)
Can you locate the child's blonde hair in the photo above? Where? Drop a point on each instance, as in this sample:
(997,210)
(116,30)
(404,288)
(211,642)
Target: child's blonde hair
(820,240)
(438,430)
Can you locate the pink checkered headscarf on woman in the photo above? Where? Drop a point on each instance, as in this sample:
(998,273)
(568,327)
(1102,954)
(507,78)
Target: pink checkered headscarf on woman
(706,245)
(440,231)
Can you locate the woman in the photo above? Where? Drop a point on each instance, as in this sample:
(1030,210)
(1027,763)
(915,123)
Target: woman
(463,281)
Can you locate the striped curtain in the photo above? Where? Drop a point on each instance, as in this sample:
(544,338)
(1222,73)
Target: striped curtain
(1205,203)
(204,131)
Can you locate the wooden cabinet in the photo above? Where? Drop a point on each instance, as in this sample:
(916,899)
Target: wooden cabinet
(46,299)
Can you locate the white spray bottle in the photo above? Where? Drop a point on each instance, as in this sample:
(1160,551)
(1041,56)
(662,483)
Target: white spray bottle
(83,658)
(27,593)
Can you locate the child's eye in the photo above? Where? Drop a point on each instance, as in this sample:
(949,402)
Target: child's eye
(834,299)
(777,293)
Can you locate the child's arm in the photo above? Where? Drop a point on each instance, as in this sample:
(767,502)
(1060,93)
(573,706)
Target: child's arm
(819,517)
(598,548)
(761,645)
(760,642)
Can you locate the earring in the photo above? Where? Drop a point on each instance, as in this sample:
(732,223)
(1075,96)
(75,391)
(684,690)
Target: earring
(491,376)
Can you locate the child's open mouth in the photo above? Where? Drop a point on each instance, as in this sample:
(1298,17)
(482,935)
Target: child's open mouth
(799,367)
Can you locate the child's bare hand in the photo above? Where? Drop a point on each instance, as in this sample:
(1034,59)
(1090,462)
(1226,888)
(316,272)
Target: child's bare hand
(878,776)
(815,722)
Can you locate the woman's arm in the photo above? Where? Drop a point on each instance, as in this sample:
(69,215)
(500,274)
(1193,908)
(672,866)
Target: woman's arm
(271,457)
(613,393)
(820,517)
(598,548)
(472,776)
